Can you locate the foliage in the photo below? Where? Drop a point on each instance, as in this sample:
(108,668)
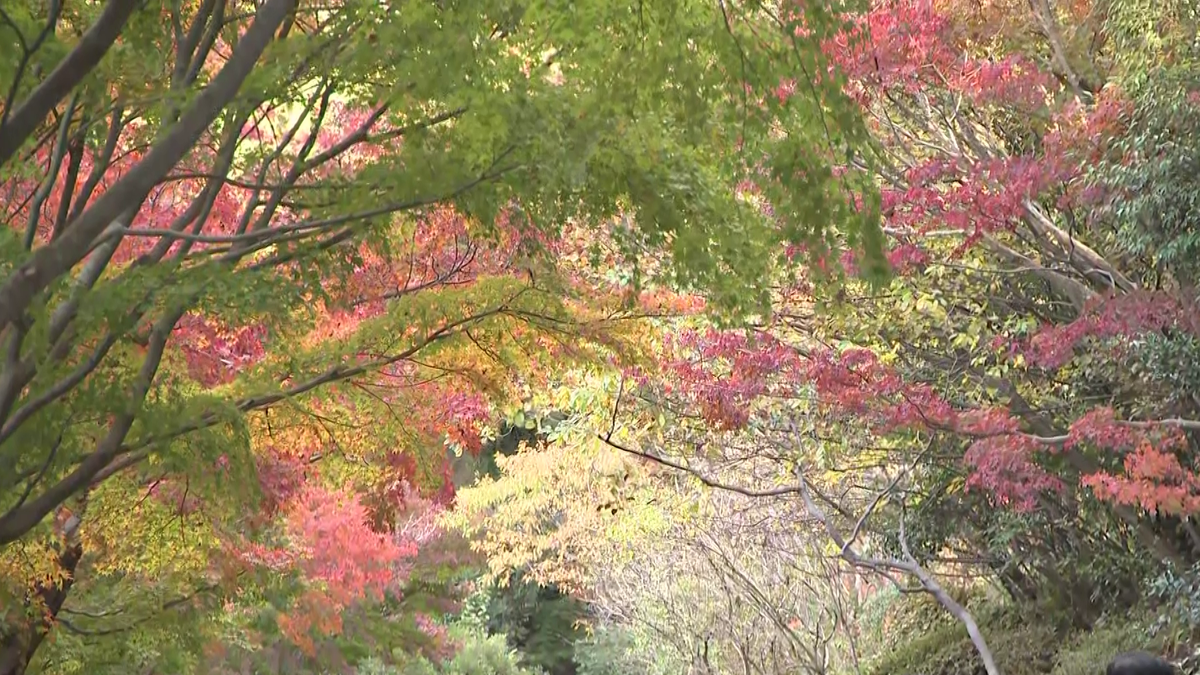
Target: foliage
(983,400)
(1150,177)
(558,512)
(477,654)
(541,624)
(265,269)
(1092,651)
(316,317)
(950,651)
(1013,407)
(614,650)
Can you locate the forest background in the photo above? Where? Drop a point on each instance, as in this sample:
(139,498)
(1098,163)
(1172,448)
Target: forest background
(533,336)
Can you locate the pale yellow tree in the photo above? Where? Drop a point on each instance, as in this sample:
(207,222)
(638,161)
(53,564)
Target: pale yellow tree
(561,511)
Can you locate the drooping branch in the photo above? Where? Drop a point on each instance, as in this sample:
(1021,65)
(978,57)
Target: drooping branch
(100,464)
(907,565)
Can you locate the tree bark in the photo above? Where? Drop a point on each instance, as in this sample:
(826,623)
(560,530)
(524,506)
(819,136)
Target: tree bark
(909,566)
(51,261)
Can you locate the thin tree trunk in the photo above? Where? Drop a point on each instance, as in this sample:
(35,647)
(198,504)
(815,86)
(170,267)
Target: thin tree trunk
(20,642)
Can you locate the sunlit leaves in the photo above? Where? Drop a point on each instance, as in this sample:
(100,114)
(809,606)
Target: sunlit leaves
(152,531)
(558,512)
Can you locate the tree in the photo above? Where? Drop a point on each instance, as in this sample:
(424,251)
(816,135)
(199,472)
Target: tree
(556,514)
(1016,407)
(1030,288)
(740,586)
(314,215)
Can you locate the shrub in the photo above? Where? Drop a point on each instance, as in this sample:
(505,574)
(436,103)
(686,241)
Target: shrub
(1020,648)
(1090,652)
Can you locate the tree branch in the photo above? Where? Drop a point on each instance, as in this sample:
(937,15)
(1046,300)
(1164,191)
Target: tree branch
(72,70)
(51,261)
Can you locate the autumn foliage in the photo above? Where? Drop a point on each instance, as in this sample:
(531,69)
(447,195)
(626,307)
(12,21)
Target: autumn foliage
(1023,347)
(272,276)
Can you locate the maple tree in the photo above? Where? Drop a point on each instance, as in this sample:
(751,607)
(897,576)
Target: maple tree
(1020,398)
(1031,205)
(263,263)
(1038,279)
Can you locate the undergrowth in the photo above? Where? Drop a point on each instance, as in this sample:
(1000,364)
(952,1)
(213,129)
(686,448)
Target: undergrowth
(920,638)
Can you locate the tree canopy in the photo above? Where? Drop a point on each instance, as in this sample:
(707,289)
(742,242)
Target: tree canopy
(577,337)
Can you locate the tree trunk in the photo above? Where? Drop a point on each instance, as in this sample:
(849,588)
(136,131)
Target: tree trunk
(20,642)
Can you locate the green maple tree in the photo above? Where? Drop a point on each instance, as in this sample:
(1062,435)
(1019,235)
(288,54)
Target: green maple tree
(204,193)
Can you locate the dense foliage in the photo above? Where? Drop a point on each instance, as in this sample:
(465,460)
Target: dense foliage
(539,337)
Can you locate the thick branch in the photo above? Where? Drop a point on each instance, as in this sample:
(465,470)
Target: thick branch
(92,47)
(1079,254)
(1049,22)
(53,260)
(908,565)
(135,453)
(20,520)
(1060,284)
